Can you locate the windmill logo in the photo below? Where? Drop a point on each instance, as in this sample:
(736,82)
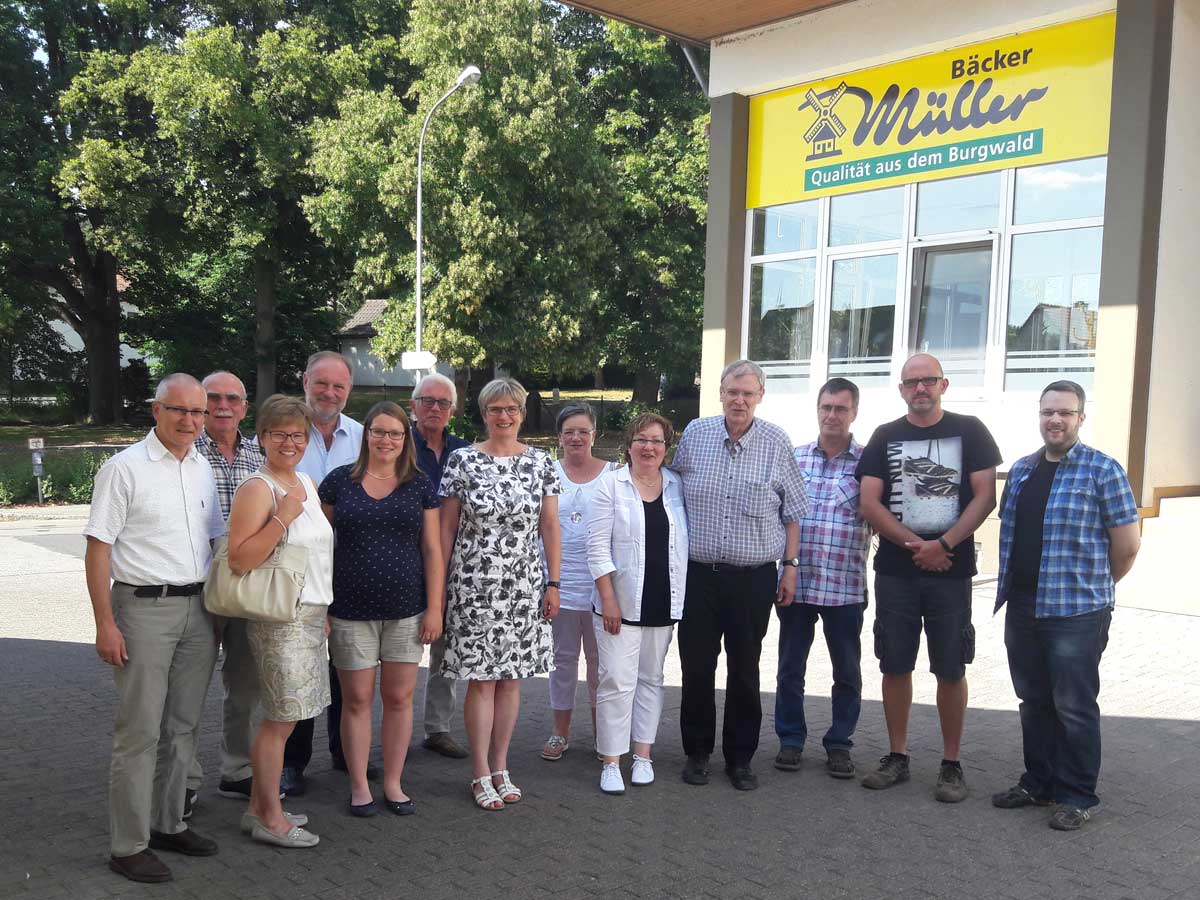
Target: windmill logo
(825,131)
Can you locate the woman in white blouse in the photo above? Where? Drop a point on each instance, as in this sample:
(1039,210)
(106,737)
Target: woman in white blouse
(291,659)
(638,554)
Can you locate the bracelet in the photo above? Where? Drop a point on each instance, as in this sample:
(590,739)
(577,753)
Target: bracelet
(280,521)
(945,546)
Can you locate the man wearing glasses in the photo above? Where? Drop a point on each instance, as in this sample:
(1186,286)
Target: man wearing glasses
(1068,533)
(233,458)
(434,400)
(154,515)
(744,497)
(928,480)
(334,441)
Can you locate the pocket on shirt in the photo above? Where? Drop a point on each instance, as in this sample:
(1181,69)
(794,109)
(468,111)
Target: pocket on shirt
(756,500)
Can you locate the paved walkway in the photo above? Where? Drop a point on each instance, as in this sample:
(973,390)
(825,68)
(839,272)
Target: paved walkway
(801,835)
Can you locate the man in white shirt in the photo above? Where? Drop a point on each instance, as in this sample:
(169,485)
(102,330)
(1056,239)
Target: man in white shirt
(154,514)
(335,441)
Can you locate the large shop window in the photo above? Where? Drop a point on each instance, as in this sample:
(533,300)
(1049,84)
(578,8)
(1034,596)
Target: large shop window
(1060,192)
(781,315)
(862,318)
(1053,304)
(951,318)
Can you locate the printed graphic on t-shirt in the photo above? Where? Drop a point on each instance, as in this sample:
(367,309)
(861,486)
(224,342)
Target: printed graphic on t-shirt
(925,479)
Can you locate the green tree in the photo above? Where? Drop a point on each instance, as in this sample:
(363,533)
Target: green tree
(517,196)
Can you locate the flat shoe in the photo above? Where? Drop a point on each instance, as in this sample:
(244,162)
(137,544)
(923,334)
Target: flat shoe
(364,810)
(142,867)
(294,819)
(297,838)
(400,807)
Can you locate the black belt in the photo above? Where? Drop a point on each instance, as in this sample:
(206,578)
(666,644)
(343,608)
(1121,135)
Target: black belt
(165,590)
(735,570)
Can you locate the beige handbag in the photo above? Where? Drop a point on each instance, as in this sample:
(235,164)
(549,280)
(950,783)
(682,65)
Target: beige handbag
(269,592)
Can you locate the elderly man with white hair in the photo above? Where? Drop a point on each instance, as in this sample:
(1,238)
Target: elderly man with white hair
(154,515)
(434,401)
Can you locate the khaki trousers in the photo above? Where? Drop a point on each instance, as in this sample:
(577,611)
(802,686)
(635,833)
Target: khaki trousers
(161,695)
(239,678)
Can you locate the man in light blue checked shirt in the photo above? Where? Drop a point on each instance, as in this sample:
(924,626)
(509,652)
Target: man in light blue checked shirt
(744,497)
(1068,533)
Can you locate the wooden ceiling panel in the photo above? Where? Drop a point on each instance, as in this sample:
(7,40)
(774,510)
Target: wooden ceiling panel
(700,21)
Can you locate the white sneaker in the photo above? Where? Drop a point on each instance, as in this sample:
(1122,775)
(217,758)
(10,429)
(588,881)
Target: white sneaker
(643,771)
(611,781)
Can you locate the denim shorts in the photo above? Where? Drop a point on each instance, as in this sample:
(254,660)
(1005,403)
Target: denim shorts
(942,605)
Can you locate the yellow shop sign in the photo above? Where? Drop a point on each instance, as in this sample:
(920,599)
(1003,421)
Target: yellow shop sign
(1036,97)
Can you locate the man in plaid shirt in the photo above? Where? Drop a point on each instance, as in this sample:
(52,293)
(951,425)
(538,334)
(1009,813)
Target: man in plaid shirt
(834,540)
(1068,533)
(745,498)
(233,458)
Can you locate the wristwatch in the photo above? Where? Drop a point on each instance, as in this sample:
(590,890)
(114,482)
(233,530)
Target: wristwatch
(554,584)
(794,562)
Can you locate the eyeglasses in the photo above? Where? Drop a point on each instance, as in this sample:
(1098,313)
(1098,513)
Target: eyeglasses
(503,410)
(739,395)
(431,402)
(214,397)
(297,437)
(1061,413)
(648,442)
(184,411)
(379,434)
(827,409)
(577,433)
(924,380)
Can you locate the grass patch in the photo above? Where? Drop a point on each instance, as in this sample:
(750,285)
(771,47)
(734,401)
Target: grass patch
(69,477)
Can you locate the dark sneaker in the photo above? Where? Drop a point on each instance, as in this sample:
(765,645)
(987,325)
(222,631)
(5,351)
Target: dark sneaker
(742,778)
(788,759)
(839,764)
(236,790)
(189,803)
(443,743)
(892,770)
(1071,818)
(695,770)
(144,867)
(951,786)
(187,842)
(291,782)
(1016,797)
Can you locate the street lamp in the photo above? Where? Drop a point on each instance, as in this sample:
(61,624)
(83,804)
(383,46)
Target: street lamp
(469,75)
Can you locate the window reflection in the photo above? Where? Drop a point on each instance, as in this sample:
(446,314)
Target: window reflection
(866,218)
(959,204)
(781,314)
(784,229)
(1060,191)
(862,317)
(951,320)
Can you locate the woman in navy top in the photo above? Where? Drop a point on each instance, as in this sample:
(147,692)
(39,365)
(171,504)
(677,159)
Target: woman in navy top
(388,589)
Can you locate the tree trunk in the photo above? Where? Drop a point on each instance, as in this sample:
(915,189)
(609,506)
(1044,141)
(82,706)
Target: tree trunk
(264,327)
(645,386)
(102,343)
(598,378)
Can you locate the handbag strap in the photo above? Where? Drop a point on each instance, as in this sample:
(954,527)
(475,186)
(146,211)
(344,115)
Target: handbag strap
(261,476)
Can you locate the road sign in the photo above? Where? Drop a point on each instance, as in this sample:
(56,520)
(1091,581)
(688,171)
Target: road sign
(37,443)
(417,359)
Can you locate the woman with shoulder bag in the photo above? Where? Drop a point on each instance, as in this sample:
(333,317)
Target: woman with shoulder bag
(275,502)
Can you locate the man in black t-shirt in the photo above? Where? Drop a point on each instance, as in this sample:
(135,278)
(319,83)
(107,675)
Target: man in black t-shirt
(928,480)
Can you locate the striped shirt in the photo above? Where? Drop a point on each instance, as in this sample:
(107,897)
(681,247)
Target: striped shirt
(1090,495)
(738,494)
(834,539)
(247,459)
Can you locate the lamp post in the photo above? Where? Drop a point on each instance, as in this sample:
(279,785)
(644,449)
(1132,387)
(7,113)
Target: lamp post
(469,75)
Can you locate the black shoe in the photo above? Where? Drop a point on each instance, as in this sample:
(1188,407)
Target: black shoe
(364,810)
(144,867)
(1016,797)
(788,759)
(291,781)
(839,764)
(187,842)
(400,807)
(189,803)
(742,778)
(695,770)
(892,770)
(237,790)
(1071,818)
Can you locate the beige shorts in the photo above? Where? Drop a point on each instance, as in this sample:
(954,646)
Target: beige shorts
(361,645)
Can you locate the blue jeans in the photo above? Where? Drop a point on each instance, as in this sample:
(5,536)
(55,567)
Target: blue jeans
(1055,667)
(843,627)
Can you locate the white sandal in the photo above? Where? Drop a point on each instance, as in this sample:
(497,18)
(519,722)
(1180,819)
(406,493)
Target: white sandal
(487,795)
(506,788)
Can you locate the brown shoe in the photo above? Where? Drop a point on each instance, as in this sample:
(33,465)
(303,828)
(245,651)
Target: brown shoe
(444,744)
(187,842)
(144,867)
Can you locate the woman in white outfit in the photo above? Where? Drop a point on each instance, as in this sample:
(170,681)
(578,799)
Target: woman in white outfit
(638,554)
(291,658)
(579,472)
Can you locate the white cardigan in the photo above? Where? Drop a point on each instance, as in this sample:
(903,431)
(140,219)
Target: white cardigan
(617,539)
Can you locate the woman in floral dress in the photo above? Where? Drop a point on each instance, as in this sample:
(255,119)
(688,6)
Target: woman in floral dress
(499,497)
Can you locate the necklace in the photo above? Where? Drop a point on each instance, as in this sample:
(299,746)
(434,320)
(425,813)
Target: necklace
(651,482)
(381,477)
(291,484)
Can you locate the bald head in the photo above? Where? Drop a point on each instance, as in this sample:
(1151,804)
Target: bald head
(921,364)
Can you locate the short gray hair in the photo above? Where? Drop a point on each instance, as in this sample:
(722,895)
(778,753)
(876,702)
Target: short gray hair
(211,375)
(574,408)
(439,378)
(322,355)
(182,379)
(500,388)
(745,367)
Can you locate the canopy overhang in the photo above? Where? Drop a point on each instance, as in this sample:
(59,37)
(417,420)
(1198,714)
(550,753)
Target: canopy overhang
(700,22)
